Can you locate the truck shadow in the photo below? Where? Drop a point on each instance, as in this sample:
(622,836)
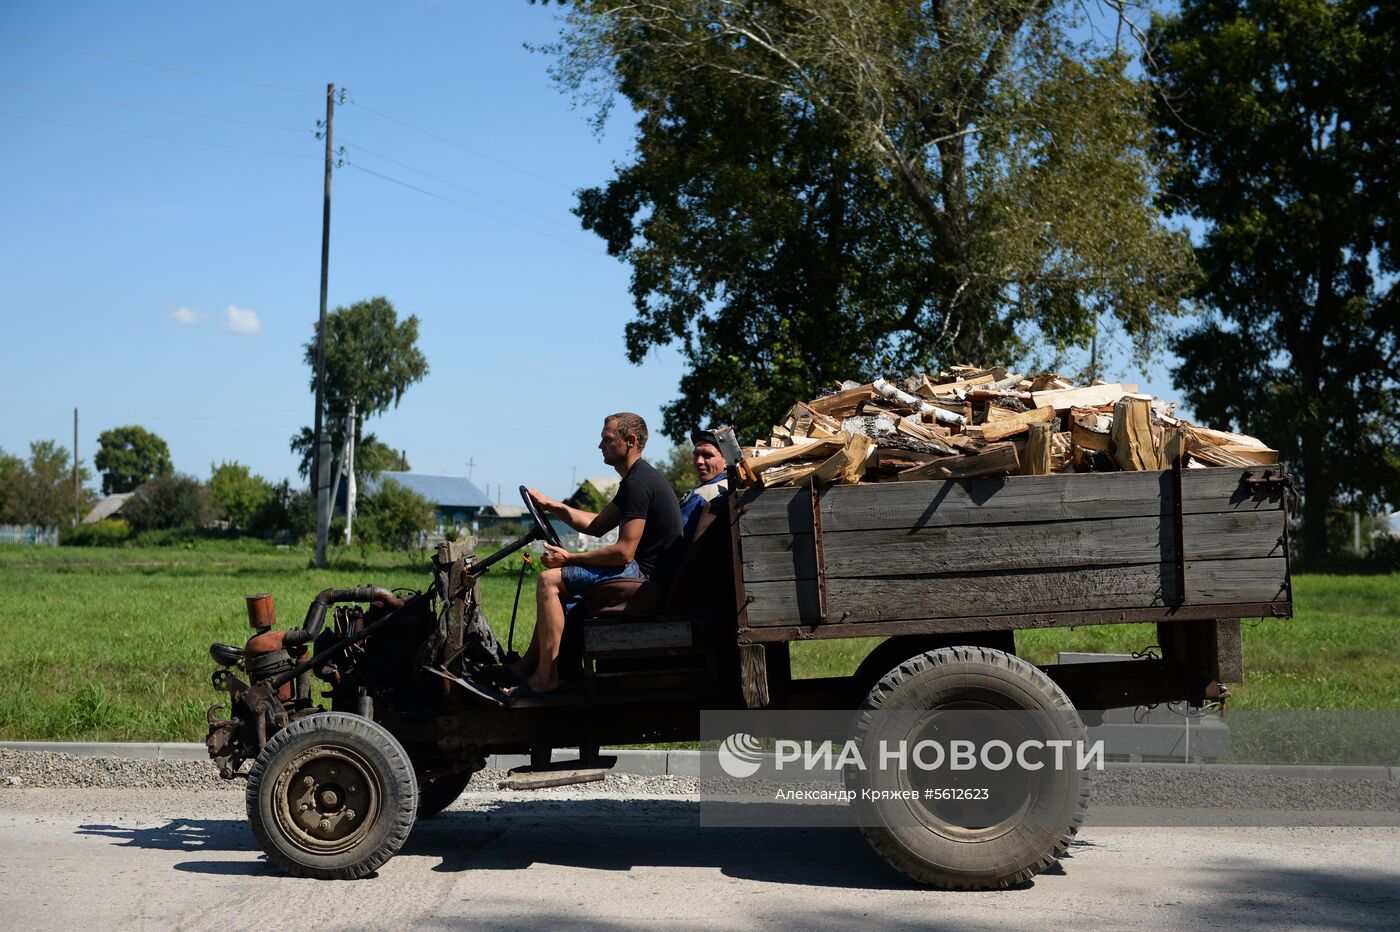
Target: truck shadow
(619,835)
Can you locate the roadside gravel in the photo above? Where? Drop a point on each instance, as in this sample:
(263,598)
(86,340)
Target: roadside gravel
(1126,789)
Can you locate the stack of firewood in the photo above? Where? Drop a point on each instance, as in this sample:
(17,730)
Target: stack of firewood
(969,422)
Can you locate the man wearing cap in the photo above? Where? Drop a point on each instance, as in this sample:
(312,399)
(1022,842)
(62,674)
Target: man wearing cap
(709,469)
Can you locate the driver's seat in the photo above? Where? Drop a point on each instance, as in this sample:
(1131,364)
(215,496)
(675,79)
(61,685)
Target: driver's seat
(622,597)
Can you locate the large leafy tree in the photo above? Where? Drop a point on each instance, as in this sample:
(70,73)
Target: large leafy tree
(824,188)
(129,456)
(39,491)
(371,359)
(1282,114)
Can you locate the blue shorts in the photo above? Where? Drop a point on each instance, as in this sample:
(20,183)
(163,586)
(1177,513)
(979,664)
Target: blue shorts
(579,579)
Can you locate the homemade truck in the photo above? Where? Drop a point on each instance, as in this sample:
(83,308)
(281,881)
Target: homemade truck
(945,572)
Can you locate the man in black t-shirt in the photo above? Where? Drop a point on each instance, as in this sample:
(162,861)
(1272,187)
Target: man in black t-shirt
(648,520)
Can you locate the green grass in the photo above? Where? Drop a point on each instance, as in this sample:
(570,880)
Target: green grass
(112,644)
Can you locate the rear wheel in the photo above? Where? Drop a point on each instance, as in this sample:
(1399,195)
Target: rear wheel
(332,796)
(438,793)
(1022,821)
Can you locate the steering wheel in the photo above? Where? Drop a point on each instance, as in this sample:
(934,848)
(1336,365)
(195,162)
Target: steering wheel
(543,529)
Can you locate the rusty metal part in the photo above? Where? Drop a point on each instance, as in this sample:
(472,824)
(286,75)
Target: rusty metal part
(267,655)
(261,612)
(316,613)
(327,799)
(333,649)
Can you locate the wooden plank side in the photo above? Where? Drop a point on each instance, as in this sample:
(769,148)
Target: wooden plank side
(1234,535)
(1004,500)
(994,547)
(870,598)
(904,552)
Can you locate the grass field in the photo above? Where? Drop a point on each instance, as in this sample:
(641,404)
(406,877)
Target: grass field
(112,644)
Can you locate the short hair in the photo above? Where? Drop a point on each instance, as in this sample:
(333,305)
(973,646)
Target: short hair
(629,424)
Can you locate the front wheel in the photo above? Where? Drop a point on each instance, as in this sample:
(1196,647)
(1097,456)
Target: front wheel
(975,828)
(332,796)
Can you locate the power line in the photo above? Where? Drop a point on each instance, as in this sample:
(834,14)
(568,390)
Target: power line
(475,210)
(161,67)
(135,106)
(461,187)
(129,132)
(457,145)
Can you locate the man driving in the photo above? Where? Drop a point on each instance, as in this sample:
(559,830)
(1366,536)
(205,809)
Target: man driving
(648,519)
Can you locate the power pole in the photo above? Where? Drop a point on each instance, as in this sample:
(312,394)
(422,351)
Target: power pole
(471,464)
(350,473)
(77,489)
(321,462)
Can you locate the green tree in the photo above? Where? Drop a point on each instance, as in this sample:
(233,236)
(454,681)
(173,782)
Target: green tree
(824,189)
(166,502)
(394,516)
(238,496)
(372,455)
(678,467)
(39,491)
(371,359)
(129,456)
(1282,115)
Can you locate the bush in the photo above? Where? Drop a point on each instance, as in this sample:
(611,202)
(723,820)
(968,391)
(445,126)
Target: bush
(394,517)
(175,501)
(1385,555)
(239,497)
(109,532)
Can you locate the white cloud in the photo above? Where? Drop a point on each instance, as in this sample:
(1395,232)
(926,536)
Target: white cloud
(184,315)
(241,320)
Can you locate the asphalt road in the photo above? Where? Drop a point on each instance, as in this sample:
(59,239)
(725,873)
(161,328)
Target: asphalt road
(158,859)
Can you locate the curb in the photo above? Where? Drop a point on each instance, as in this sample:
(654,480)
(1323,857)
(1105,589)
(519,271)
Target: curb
(644,763)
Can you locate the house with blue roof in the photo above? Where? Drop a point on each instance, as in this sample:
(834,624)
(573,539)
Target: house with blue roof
(457,503)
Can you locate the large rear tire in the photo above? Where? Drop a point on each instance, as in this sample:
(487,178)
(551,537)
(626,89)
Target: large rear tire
(437,794)
(1014,838)
(332,796)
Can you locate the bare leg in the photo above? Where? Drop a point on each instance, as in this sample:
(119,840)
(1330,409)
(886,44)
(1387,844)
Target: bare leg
(541,661)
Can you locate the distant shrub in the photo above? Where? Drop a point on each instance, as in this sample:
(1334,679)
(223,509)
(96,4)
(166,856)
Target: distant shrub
(109,532)
(174,501)
(394,516)
(1385,555)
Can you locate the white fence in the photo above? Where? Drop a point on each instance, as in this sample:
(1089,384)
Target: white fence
(28,534)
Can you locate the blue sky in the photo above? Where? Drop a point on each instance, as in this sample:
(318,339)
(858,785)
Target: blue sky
(160,230)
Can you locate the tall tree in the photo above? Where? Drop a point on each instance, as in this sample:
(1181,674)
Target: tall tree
(39,491)
(1282,114)
(129,456)
(826,188)
(371,359)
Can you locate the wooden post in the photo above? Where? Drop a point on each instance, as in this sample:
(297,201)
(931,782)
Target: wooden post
(753,675)
(321,467)
(77,489)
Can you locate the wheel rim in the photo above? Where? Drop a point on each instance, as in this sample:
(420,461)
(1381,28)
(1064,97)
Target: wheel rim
(961,820)
(326,799)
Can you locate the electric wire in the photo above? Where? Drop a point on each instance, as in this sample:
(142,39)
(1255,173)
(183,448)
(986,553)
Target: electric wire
(457,145)
(176,69)
(468,207)
(107,101)
(460,187)
(156,136)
